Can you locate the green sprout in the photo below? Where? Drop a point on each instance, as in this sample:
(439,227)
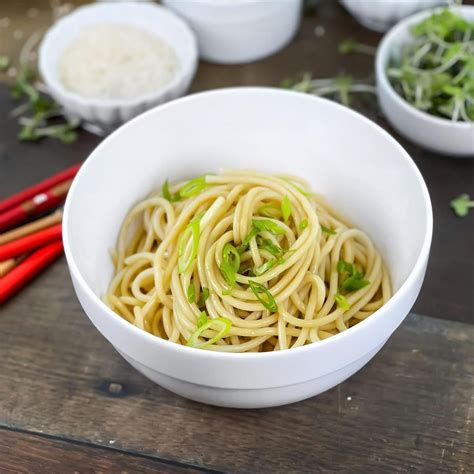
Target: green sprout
(461,205)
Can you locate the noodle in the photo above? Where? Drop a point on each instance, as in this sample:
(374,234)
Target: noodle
(243,261)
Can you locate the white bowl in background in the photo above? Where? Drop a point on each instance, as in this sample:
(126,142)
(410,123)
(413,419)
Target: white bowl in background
(366,175)
(433,133)
(240,31)
(152,18)
(380,15)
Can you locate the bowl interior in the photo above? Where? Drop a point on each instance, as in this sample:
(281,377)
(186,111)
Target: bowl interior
(361,170)
(152,18)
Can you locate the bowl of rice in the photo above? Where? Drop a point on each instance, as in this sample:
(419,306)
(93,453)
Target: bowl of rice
(106,63)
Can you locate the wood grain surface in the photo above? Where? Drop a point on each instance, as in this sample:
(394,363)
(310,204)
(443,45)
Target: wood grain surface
(69,402)
(408,409)
(45,454)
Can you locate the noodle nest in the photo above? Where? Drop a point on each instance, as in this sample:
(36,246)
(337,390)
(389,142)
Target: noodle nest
(242,261)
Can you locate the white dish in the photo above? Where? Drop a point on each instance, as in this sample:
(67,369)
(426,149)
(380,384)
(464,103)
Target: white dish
(433,133)
(153,18)
(240,31)
(367,176)
(380,15)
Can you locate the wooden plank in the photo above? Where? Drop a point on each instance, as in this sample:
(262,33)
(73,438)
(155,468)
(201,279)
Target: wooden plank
(25,453)
(407,410)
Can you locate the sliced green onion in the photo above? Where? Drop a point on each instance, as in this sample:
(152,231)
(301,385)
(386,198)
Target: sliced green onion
(221,326)
(326,230)
(193,187)
(269,302)
(192,230)
(230,266)
(202,319)
(269,226)
(342,302)
(303,224)
(269,246)
(204,296)
(229,275)
(165,192)
(354,282)
(343,266)
(231,255)
(264,210)
(191,293)
(245,243)
(286,207)
(298,188)
(264,267)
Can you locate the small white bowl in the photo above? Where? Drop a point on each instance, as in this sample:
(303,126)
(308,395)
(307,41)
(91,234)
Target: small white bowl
(380,15)
(152,18)
(240,31)
(430,132)
(366,175)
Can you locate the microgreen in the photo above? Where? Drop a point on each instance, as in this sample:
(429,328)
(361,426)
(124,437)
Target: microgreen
(4,62)
(461,205)
(34,114)
(339,88)
(350,45)
(435,70)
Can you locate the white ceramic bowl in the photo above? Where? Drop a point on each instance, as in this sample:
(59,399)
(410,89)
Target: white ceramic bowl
(366,175)
(239,31)
(430,132)
(153,18)
(380,15)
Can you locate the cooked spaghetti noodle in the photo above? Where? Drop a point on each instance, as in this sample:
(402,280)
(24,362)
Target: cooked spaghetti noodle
(243,261)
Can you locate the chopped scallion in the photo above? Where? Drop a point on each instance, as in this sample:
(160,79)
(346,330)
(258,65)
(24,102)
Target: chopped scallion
(193,187)
(204,296)
(303,224)
(192,230)
(202,319)
(342,302)
(268,225)
(220,326)
(268,302)
(286,207)
(326,230)
(191,293)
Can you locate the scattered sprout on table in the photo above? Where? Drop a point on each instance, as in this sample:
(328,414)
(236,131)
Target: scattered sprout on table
(38,115)
(339,88)
(461,205)
(350,45)
(4,62)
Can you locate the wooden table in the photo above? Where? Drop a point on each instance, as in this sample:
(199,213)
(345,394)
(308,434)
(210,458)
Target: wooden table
(68,402)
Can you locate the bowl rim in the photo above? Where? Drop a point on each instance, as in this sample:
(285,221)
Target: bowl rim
(185,68)
(384,51)
(163,344)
